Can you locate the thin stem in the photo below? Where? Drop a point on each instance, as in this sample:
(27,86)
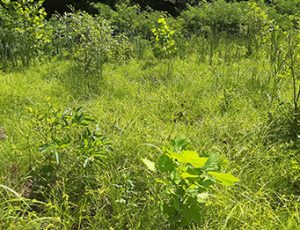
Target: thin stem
(295,91)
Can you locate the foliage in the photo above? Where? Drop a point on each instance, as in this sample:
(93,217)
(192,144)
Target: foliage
(23,32)
(136,108)
(291,7)
(164,43)
(233,88)
(69,145)
(294,67)
(88,41)
(214,17)
(187,180)
(130,19)
(258,24)
(237,18)
(173,7)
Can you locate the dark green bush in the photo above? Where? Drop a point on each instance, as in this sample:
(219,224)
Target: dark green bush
(130,19)
(237,18)
(217,17)
(291,7)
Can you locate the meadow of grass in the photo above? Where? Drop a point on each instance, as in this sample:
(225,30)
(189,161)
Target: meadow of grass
(66,169)
(225,109)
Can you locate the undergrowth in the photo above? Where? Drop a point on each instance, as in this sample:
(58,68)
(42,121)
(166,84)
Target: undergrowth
(111,123)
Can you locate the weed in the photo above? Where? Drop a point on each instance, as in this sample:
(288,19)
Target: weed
(68,149)
(187,181)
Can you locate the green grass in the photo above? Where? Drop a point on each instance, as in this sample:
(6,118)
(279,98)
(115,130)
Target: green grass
(222,108)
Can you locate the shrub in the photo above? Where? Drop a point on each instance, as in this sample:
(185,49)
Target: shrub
(23,31)
(130,19)
(164,43)
(187,179)
(88,41)
(71,146)
(291,7)
(237,18)
(213,17)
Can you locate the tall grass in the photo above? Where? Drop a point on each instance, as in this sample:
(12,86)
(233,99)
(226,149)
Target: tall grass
(232,90)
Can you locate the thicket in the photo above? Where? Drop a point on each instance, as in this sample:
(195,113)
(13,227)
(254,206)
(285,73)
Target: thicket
(23,31)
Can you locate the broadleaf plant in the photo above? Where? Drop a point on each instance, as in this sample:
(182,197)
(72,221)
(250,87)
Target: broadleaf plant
(70,145)
(164,42)
(188,179)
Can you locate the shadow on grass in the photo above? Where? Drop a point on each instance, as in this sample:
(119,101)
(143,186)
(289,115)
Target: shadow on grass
(284,133)
(284,127)
(79,83)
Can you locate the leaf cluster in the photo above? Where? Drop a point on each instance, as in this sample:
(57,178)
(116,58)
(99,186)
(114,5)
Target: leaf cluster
(164,42)
(88,41)
(23,32)
(187,178)
(70,145)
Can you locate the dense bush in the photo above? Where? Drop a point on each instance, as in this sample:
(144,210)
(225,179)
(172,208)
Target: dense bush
(88,41)
(290,7)
(217,17)
(23,31)
(239,18)
(130,19)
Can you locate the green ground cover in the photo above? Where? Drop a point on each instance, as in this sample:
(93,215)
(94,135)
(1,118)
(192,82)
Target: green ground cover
(137,120)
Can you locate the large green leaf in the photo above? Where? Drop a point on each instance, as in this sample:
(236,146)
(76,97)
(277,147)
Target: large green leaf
(214,163)
(185,175)
(189,157)
(150,165)
(191,211)
(224,178)
(179,144)
(165,164)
